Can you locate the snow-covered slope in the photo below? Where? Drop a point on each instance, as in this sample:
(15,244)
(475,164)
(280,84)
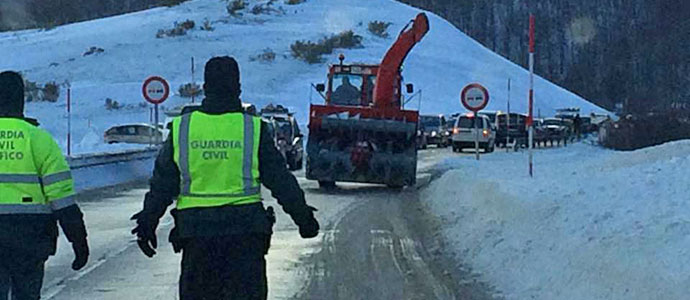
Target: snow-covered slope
(591,224)
(440,66)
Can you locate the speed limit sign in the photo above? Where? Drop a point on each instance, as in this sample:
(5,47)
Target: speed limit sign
(474,97)
(155,89)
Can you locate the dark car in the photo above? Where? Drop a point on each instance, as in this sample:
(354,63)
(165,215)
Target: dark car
(557,130)
(287,136)
(436,130)
(515,132)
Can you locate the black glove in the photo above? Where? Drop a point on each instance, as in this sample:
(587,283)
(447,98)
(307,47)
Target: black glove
(146,233)
(81,254)
(310,227)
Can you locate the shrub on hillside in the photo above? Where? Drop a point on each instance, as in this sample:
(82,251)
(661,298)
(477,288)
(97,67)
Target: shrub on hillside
(189,90)
(266,56)
(93,50)
(207,26)
(178,29)
(311,51)
(33,92)
(235,6)
(51,92)
(294,2)
(379,28)
(266,8)
(111,104)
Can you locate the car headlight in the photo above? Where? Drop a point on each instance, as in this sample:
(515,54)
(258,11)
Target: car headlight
(433,133)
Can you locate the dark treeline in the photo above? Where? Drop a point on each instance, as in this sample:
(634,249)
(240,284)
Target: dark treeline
(22,14)
(608,51)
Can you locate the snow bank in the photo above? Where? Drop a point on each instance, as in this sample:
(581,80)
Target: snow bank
(440,66)
(591,224)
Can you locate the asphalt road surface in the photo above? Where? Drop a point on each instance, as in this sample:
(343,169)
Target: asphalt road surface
(376,243)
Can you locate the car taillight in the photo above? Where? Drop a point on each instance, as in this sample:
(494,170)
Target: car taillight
(485,132)
(455,130)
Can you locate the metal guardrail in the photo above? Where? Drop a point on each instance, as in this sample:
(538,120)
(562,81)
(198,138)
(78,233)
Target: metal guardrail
(82,161)
(98,170)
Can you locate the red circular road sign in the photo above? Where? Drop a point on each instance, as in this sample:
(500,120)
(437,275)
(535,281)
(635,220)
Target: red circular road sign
(474,97)
(155,90)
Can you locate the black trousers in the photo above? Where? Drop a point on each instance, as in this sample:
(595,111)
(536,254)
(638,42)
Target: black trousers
(20,274)
(227,268)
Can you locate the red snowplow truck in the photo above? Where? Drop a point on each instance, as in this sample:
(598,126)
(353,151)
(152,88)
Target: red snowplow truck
(362,133)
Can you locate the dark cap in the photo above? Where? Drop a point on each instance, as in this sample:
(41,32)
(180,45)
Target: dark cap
(222,77)
(11,94)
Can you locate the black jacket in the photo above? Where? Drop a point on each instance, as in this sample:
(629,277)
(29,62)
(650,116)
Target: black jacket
(229,219)
(36,234)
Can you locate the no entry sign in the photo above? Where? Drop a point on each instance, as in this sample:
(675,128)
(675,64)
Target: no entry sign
(155,90)
(474,97)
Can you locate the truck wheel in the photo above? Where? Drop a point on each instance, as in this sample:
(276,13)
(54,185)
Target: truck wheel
(328,185)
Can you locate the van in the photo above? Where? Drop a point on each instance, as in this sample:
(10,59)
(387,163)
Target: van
(468,127)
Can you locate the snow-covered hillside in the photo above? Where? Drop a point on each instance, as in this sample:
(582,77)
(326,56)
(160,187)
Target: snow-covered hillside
(440,66)
(591,224)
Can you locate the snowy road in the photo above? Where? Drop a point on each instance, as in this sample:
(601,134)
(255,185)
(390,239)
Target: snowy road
(365,224)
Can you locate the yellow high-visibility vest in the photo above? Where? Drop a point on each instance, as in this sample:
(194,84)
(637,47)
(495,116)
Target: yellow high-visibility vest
(218,159)
(34,176)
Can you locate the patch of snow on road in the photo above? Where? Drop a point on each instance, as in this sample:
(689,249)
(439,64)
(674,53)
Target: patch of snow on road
(591,224)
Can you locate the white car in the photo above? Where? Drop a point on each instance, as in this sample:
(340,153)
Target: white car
(465,133)
(140,133)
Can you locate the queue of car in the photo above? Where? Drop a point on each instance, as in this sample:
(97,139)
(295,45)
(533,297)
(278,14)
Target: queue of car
(500,129)
(461,131)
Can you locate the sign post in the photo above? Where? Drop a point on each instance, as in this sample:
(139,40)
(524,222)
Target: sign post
(155,90)
(475,97)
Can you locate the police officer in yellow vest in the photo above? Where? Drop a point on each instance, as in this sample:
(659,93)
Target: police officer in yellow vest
(36,189)
(214,162)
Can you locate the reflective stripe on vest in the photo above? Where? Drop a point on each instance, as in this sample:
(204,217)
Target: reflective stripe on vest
(22,189)
(208,160)
(9,209)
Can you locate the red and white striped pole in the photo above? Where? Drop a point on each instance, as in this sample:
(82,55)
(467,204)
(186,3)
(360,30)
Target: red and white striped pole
(193,80)
(69,122)
(530,117)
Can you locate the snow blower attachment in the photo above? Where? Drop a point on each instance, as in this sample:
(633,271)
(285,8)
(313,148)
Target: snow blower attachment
(362,133)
